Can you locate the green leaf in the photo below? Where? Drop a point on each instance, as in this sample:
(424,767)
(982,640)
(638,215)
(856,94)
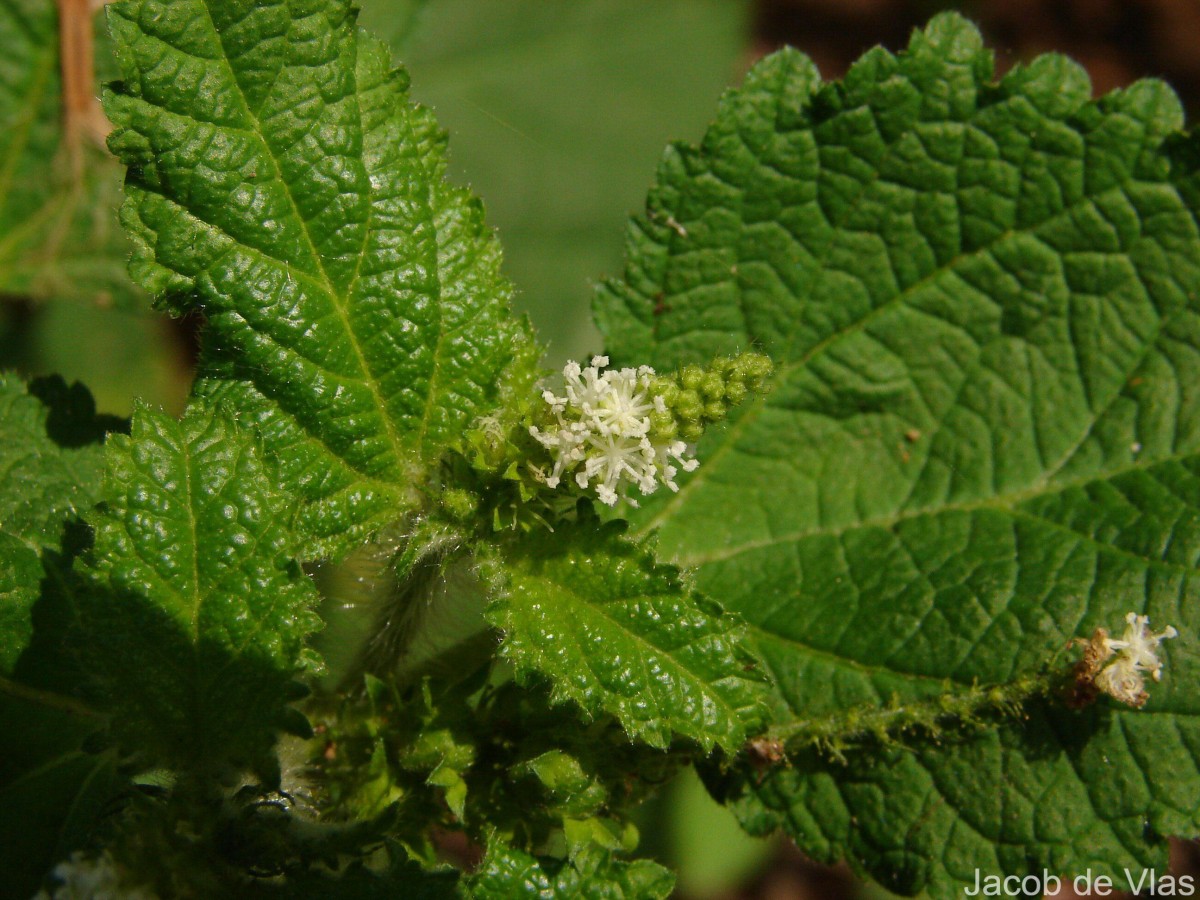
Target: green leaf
(20,577)
(983,439)
(593,874)
(52,791)
(50,810)
(59,236)
(488,758)
(585,835)
(616,633)
(199,610)
(572,789)
(557,112)
(51,467)
(56,778)
(51,464)
(442,755)
(281,182)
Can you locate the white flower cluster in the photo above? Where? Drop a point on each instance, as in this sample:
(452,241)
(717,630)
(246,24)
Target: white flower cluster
(85,877)
(1128,659)
(601,434)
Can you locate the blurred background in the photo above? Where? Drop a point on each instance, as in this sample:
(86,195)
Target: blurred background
(558,111)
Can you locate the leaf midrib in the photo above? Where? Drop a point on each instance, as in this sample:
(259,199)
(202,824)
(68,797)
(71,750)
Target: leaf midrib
(756,407)
(1004,503)
(336,300)
(854,327)
(193,533)
(647,648)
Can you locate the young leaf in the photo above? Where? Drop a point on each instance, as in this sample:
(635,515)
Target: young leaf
(199,613)
(617,633)
(281,182)
(593,873)
(572,789)
(983,439)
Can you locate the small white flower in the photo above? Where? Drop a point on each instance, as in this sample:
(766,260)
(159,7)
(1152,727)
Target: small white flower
(1127,660)
(585,387)
(1138,645)
(624,409)
(673,451)
(1123,682)
(565,444)
(601,433)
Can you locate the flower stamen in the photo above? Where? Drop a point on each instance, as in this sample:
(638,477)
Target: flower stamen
(602,432)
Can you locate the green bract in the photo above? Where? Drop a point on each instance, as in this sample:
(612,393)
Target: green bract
(935,339)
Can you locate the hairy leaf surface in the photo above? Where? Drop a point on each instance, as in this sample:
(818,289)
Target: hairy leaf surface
(983,438)
(51,468)
(51,471)
(51,462)
(281,182)
(616,633)
(199,611)
(20,576)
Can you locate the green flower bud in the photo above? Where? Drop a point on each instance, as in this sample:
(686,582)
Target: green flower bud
(688,407)
(691,377)
(712,386)
(696,397)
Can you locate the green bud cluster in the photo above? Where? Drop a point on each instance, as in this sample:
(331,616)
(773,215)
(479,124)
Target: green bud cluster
(698,396)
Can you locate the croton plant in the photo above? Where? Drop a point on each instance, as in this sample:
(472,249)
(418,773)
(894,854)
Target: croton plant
(881,508)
